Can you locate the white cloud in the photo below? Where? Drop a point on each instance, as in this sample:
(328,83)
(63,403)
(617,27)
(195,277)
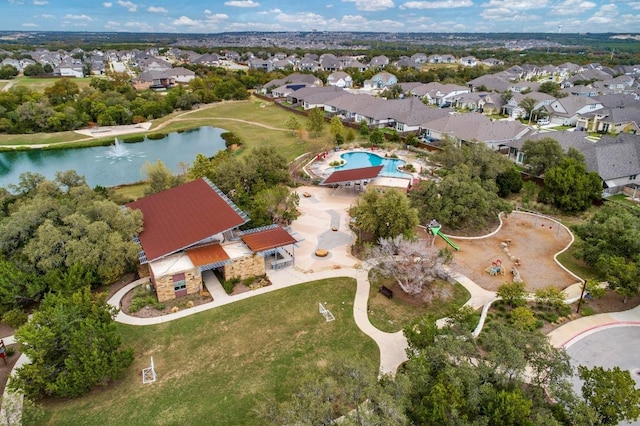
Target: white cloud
(154,9)
(107,4)
(131,7)
(254,26)
(348,22)
(444,4)
(371,5)
(516,4)
(304,19)
(211,22)
(186,21)
(40,2)
(78,17)
(30,25)
(139,26)
(242,3)
(569,7)
(270,12)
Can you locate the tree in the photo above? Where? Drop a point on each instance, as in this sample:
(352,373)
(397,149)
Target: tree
(523,318)
(364,128)
(201,167)
(542,155)
(385,215)
(7,72)
(550,296)
(62,91)
(413,264)
(159,177)
(612,393)
(509,181)
(336,127)
(569,187)
(528,105)
(623,276)
(550,88)
(73,345)
(315,121)
(292,124)
(376,137)
(275,205)
(512,293)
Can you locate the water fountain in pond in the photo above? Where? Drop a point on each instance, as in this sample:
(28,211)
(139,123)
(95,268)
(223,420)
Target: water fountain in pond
(118,151)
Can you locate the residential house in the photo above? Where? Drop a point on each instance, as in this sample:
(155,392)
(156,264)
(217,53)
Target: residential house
(314,97)
(329,62)
(566,111)
(419,58)
(380,61)
(437,93)
(380,81)
(260,64)
(490,103)
(354,64)
(308,64)
(209,59)
(293,81)
(340,79)
(69,69)
(154,64)
(611,120)
(616,160)
(617,85)
(193,229)
(181,75)
(581,90)
(490,82)
(566,139)
(434,59)
(468,61)
(155,80)
(490,62)
(447,59)
(475,128)
(514,109)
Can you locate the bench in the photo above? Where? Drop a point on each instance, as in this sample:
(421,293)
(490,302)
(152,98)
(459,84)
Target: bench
(386,291)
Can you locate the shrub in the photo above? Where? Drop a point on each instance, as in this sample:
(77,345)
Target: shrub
(229,284)
(587,311)
(15,317)
(143,297)
(156,136)
(10,350)
(133,139)
(230,139)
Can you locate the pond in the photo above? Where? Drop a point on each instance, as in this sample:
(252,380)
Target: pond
(113,165)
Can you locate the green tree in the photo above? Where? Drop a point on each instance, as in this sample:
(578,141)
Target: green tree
(159,177)
(612,393)
(336,127)
(528,105)
(512,293)
(364,128)
(509,181)
(201,167)
(523,318)
(376,137)
(62,91)
(73,345)
(7,72)
(385,215)
(292,124)
(542,155)
(275,205)
(623,276)
(550,296)
(550,88)
(569,187)
(315,121)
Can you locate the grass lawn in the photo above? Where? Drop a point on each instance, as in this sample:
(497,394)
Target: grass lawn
(624,199)
(131,192)
(217,366)
(40,138)
(39,84)
(576,266)
(392,315)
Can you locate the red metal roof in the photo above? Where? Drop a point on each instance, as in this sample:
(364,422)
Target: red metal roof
(185,215)
(206,255)
(268,239)
(353,175)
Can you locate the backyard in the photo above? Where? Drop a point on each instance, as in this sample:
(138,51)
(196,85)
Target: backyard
(219,365)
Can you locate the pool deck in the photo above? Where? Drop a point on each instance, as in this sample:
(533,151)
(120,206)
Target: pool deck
(322,168)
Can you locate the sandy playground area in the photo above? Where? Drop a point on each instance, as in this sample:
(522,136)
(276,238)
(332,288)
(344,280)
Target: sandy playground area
(533,239)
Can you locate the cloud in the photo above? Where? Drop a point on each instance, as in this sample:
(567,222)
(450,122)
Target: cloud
(569,7)
(107,4)
(29,25)
(78,17)
(304,19)
(371,5)
(242,3)
(154,9)
(185,21)
(40,2)
(211,21)
(131,7)
(444,4)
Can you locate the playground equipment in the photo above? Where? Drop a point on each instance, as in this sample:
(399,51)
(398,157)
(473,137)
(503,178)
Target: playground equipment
(516,275)
(434,228)
(496,268)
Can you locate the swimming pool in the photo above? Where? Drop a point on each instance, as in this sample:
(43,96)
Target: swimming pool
(357,160)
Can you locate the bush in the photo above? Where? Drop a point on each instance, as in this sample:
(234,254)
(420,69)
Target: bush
(133,139)
(229,284)
(15,317)
(156,136)
(587,311)
(230,139)
(143,297)
(10,350)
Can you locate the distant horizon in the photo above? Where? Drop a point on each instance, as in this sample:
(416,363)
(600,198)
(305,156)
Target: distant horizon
(384,16)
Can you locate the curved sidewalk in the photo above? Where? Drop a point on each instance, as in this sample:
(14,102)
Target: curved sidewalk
(392,346)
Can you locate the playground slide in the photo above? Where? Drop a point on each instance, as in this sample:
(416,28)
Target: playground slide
(451,243)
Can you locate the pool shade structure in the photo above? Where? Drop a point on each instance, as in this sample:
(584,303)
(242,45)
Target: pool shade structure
(342,177)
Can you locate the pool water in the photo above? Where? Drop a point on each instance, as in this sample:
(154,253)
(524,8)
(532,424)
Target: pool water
(357,160)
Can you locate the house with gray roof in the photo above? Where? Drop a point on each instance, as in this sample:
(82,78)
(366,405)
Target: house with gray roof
(566,111)
(616,160)
(340,79)
(313,97)
(380,61)
(514,109)
(566,139)
(380,81)
(475,128)
(611,120)
(437,93)
(181,75)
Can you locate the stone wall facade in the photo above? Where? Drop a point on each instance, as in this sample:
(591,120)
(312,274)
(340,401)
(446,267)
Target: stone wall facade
(165,289)
(245,267)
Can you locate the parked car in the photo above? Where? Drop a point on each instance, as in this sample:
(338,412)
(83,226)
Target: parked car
(544,121)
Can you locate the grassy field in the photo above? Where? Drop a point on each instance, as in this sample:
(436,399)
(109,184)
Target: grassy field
(393,315)
(217,366)
(576,266)
(39,84)
(256,122)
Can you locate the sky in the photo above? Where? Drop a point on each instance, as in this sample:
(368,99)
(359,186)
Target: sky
(214,16)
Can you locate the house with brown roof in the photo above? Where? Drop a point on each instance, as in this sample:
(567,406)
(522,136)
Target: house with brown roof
(194,228)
